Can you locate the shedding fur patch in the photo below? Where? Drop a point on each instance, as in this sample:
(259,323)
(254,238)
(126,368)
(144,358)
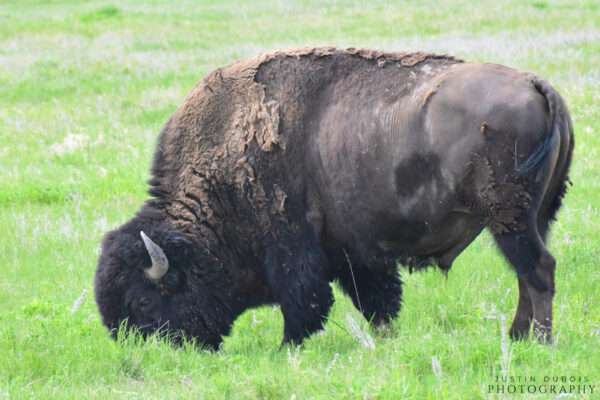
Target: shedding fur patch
(258,119)
(502,203)
(407,59)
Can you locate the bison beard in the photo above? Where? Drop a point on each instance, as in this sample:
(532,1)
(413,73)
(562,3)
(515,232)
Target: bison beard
(281,174)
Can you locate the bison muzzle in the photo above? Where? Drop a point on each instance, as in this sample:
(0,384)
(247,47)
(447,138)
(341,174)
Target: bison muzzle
(281,174)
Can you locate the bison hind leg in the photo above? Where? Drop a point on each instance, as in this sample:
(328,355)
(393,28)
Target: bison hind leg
(535,268)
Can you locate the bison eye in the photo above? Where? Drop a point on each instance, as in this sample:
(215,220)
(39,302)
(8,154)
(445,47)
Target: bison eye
(144,302)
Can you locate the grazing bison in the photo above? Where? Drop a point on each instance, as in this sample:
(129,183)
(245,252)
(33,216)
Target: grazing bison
(283,173)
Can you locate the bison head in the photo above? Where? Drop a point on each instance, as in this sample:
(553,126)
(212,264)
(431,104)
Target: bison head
(155,279)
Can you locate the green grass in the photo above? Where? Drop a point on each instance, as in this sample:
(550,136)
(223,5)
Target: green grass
(84,90)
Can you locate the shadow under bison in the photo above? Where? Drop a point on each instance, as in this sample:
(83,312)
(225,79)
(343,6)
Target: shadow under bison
(283,173)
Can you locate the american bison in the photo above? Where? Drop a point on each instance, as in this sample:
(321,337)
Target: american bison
(281,174)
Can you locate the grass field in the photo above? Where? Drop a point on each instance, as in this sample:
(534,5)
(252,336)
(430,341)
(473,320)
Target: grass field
(84,90)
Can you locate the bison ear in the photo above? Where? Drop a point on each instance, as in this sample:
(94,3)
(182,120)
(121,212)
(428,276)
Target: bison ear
(160,263)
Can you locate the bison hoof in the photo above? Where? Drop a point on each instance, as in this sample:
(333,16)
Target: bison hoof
(384,330)
(543,336)
(519,331)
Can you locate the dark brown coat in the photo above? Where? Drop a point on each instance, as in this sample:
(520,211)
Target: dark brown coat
(282,173)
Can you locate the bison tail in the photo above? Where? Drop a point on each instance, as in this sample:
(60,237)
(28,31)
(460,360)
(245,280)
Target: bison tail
(561,135)
(536,159)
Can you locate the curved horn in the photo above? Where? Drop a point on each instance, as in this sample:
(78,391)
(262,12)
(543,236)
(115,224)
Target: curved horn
(160,264)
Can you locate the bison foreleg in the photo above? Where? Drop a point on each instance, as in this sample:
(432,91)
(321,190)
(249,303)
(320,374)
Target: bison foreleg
(376,291)
(297,276)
